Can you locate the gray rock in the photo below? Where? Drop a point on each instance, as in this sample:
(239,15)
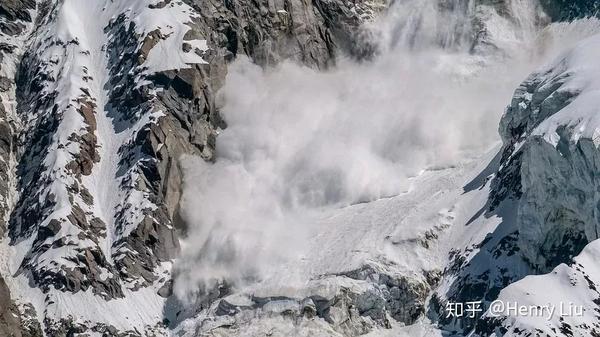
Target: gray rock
(14,10)
(10,324)
(266,31)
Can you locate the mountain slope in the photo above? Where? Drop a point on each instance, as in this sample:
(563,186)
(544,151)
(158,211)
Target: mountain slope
(106,97)
(550,133)
(111,166)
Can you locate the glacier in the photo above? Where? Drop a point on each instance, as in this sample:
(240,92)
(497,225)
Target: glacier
(297,168)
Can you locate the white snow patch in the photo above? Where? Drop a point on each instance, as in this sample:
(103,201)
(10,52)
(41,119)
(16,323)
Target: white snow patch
(580,67)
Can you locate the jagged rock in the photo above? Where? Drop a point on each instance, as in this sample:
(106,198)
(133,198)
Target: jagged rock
(352,304)
(166,290)
(553,198)
(11,28)
(403,296)
(565,10)
(5,84)
(17,9)
(10,325)
(269,32)
(165,114)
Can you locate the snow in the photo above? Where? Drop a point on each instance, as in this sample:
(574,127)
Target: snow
(137,310)
(572,287)
(404,226)
(569,293)
(392,227)
(172,22)
(358,212)
(71,50)
(578,68)
(8,69)
(385,233)
(84,22)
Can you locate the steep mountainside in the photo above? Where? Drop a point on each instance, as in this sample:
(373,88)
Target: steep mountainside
(550,161)
(100,101)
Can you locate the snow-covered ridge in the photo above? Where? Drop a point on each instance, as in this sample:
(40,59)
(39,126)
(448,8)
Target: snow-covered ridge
(81,198)
(560,94)
(112,93)
(553,119)
(572,305)
(577,75)
(550,171)
(489,243)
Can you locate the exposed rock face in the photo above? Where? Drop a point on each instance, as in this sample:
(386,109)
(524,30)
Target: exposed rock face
(271,31)
(15,21)
(99,100)
(564,10)
(556,212)
(17,10)
(13,323)
(9,315)
(545,190)
(102,121)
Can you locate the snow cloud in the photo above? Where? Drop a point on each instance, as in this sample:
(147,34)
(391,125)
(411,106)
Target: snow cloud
(299,141)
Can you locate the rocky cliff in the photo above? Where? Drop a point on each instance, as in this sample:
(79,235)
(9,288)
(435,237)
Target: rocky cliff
(549,170)
(99,100)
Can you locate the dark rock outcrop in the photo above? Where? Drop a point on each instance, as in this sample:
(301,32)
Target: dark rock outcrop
(565,10)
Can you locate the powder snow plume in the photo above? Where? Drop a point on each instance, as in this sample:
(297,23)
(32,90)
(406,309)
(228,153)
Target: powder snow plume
(300,141)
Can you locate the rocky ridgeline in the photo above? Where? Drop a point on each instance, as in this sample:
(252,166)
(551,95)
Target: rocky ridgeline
(544,188)
(92,127)
(549,174)
(16,20)
(80,88)
(564,10)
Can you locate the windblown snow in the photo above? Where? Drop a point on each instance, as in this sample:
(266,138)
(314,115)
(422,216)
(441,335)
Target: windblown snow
(319,174)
